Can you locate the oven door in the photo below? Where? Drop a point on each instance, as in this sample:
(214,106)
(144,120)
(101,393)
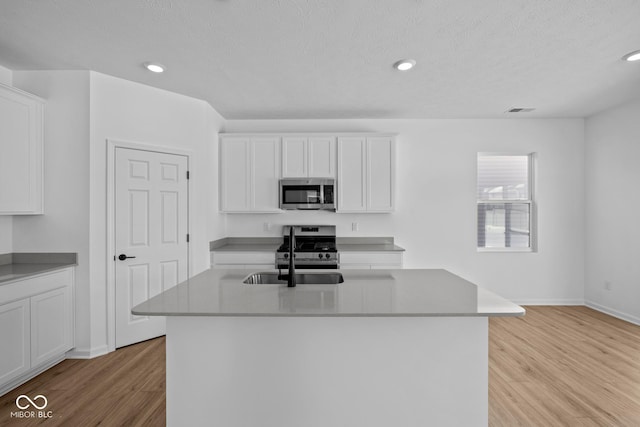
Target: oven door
(309,266)
(300,196)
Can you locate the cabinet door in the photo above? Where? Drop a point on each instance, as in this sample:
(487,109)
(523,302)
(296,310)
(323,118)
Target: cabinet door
(294,157)
(265,172)
(21,118)
(352,155)
(380,174)
(322,157)
(235,183)
(14,336)
(51,324)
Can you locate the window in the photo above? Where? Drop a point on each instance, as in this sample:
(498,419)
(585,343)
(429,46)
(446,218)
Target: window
(505,202)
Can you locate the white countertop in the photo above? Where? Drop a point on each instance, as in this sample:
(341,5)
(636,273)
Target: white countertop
(364,293)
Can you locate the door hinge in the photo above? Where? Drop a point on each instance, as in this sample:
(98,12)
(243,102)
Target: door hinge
(187,174)
(187,237)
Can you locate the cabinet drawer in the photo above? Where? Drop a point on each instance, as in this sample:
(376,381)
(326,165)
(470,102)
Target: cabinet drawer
(371,258)
(244,258)
(35,285)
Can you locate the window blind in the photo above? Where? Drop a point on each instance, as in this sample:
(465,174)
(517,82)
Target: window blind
(504,201)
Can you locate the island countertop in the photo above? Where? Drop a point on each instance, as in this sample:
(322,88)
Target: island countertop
(364,293)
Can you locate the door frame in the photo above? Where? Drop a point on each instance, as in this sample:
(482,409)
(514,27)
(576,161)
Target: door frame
(112,145)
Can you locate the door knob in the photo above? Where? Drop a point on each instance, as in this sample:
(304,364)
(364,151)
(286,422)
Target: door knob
(122,257)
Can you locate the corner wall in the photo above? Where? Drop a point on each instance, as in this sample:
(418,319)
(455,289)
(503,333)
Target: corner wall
(82,110)
(435,217)
(128,111)
(64,227)
(612,252)
(6,221)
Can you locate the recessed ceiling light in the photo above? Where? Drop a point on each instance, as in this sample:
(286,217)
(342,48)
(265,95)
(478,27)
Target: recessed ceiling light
(154,67)
(404,64)
(633,56)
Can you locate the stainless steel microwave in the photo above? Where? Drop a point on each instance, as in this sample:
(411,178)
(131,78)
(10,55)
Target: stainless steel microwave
(307,193)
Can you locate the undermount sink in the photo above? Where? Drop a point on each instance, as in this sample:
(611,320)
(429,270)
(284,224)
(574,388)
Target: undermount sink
(269,278)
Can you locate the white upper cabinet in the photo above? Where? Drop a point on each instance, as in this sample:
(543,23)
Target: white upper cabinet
(265,174)
(252,164)
(235,164)
(249,174)
(366,174)
(352,157)
(380,174)
(322,157)
(21,152)
(304,157)
(294,157)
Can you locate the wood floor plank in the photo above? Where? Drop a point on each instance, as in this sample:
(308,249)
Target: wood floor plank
(122,388)
(564,366)
(556,366)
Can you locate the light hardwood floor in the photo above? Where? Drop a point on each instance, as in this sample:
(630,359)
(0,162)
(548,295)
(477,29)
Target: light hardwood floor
(123,388)
(564,366)
(556,366)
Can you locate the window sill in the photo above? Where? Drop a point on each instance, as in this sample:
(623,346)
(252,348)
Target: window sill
(525,250)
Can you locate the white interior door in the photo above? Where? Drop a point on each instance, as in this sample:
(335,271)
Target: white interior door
(151,226)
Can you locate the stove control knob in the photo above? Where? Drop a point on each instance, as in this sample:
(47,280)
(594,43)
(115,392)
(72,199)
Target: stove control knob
(326,256)
(319,255)
(286,256)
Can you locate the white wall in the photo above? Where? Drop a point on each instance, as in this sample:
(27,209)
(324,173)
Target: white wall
(612,203)
(435,217)
(127,111)
(6,222)
(217,221)
(6,76)
(65,225)
(83,110)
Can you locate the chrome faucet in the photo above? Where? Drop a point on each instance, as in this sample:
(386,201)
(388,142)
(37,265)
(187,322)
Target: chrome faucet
(291,279)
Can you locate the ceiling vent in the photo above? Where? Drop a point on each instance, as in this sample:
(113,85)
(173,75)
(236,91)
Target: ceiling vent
(520,110)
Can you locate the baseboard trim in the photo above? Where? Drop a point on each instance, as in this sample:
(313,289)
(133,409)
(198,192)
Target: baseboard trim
(548,301)
(80,353)
(613,312)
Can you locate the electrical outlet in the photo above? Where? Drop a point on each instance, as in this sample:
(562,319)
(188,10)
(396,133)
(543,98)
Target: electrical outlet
(267,226)
(355,226)
(607,285)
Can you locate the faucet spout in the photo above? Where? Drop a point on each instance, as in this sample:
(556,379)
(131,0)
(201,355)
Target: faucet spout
(291,280)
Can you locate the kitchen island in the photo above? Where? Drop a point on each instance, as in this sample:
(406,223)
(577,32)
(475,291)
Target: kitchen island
(386,347)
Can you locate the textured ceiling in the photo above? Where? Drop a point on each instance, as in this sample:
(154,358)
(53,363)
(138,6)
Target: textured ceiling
(268,59)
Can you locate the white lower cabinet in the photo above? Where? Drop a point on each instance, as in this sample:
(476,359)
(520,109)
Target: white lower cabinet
(36,325)
(15,356)
(371,260)
(240,260)
(51,326)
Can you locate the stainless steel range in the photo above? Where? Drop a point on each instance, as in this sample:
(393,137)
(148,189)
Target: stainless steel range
(315,247)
